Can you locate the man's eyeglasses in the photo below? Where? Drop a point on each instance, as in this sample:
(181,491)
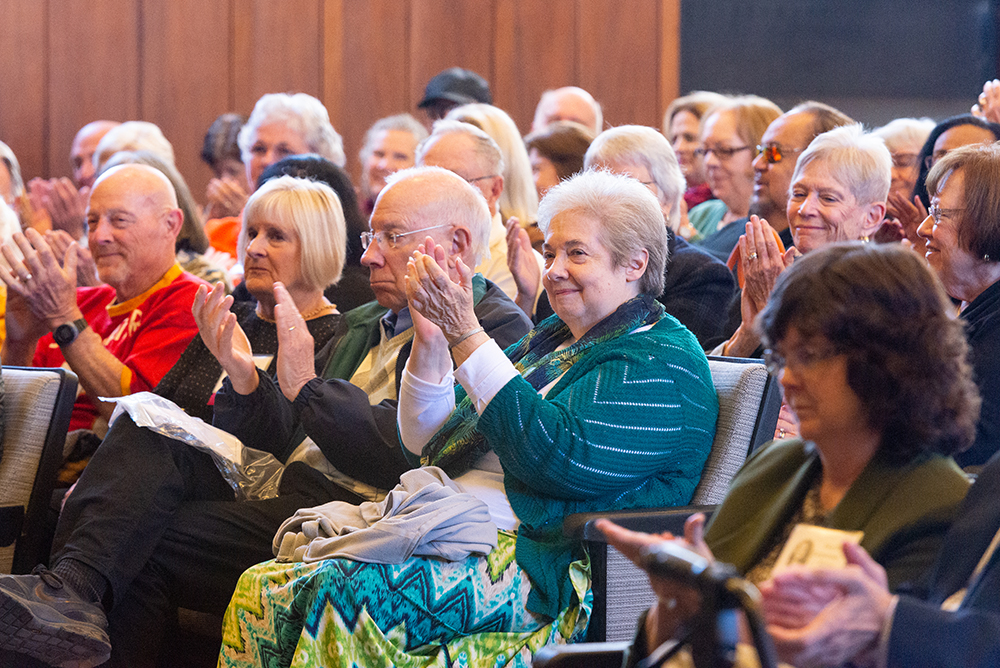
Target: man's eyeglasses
(480,178)
(721,153)
(774,154)
(390,239)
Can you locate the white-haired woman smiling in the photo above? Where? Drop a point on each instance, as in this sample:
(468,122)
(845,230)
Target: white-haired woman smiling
(553,426)
(280,125)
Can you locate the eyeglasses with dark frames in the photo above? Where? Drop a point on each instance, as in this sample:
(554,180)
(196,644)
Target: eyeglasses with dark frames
(774,153)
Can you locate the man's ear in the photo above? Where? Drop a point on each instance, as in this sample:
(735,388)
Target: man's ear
(636,267)
(496,190)
(461,242)
(174,220)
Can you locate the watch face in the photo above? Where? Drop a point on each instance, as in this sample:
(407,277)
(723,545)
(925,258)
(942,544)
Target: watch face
(64,334)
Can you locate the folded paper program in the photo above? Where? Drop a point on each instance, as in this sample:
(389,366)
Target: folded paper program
(426,515)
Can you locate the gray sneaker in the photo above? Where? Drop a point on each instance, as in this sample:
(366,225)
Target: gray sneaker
(44,618)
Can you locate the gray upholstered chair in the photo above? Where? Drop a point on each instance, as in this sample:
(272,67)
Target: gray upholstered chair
(749,402)
(36,409)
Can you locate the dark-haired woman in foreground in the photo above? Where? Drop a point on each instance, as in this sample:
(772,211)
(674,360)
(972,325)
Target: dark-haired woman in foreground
(863,342)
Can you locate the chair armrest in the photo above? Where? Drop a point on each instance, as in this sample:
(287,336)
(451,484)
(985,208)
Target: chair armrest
(584,655)
(650,520)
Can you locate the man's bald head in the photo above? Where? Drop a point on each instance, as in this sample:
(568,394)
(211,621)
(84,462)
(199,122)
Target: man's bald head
(569,103)
(417,203)
(142,180)
(133,223)
(437,196)
(82,152)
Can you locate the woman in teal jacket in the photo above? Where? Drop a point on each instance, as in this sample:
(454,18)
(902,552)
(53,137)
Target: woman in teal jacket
(607,405)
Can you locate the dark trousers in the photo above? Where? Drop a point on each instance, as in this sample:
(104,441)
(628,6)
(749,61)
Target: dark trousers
(157,520)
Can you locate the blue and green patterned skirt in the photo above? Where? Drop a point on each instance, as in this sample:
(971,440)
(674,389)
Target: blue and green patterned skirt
(422,613)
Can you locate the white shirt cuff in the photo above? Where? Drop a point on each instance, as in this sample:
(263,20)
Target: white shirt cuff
(423,408)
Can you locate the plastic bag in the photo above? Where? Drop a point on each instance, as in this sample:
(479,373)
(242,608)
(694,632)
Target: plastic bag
(253,474)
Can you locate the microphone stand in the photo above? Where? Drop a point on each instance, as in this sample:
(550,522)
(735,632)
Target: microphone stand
(715,630)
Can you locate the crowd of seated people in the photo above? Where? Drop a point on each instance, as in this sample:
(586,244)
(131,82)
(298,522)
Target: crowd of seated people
(495,330)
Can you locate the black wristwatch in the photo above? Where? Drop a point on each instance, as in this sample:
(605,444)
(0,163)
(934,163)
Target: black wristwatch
(66,334)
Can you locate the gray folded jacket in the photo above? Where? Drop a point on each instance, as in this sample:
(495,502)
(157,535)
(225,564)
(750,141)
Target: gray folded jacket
(427,514)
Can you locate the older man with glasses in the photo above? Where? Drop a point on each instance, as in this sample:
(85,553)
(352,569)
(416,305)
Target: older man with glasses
(466,150)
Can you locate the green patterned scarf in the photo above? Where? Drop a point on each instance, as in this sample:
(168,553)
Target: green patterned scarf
(459,443)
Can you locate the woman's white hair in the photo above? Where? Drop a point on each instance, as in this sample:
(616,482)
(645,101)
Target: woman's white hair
(646,147)
(313,210)
(630,217)
(519,197)
(301,113)
(133,136)
(857,159)
(905,133)
(9,225)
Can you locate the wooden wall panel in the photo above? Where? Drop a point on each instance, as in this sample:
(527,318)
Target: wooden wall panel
(375,76)
(670,53)
(93,69)
(449,33)
(22,78)
(64,63)
(186,83)
(278,48)
(619,57)
(535,50)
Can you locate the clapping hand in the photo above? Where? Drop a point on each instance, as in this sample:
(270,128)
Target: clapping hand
(296,347)
(821,617)
(224,337)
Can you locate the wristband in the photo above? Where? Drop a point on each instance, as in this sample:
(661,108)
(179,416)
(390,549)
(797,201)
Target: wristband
(473,332)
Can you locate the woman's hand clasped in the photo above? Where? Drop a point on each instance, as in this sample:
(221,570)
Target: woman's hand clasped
(440,289)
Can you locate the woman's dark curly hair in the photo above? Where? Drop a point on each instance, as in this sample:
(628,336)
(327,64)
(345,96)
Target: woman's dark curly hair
(907,358)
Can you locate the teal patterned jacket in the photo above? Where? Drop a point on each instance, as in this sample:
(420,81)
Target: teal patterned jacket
(629,425)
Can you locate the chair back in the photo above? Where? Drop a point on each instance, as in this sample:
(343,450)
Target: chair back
(749,402)
(37,404)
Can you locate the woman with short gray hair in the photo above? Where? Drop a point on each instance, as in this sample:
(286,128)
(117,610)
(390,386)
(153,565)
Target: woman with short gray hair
(550,426)
(280,125)
(696,287)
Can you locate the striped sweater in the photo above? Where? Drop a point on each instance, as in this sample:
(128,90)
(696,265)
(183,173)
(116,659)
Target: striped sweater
(629,425)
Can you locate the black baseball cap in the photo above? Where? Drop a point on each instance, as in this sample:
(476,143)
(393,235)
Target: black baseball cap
(457,85)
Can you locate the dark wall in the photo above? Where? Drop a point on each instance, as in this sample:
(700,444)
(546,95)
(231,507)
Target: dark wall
(877,59)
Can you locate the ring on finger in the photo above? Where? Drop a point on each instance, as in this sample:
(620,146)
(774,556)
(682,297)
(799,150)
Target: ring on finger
(752,256)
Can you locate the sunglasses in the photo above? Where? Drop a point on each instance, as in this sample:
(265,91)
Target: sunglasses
(774,153)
